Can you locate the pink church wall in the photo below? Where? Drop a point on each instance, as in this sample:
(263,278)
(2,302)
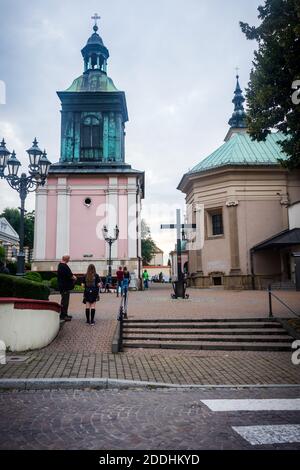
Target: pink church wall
(51,224)
(122,181)
(81,181)
(122,223)
(85,241)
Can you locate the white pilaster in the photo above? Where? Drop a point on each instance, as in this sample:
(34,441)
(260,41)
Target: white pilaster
(63,219)
(112,213)
(39,248)
(132,219)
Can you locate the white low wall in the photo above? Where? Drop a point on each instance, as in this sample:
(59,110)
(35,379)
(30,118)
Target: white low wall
(24,328)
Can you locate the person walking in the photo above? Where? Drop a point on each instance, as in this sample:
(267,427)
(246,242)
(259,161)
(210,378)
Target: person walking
(146,279)
(125,286)
(66,281)
(108,283)
(120,277)
(91,293)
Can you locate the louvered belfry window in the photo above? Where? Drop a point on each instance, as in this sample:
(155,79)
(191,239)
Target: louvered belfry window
(91,139)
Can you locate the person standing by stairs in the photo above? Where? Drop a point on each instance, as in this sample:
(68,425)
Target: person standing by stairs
(66,281)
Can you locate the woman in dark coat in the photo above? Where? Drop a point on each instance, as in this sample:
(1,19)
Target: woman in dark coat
(91,293)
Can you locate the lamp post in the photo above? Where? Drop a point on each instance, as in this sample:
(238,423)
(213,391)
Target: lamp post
(110,241)
(38,172)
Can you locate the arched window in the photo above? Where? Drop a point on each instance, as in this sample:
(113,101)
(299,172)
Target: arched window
(91,139)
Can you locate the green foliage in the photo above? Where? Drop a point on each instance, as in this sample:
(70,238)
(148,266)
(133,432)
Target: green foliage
(148,245)
(78,288)
(47,275)
(148,250)
(54,283)
(12,286)
(276,66)
(33,276)
(12,215)
(12,267)
(2,253)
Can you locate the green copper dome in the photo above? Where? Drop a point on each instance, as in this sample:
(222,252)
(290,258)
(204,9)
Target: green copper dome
(94,80)
(240,149)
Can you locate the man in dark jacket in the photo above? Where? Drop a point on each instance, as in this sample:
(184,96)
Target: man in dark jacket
(66,281)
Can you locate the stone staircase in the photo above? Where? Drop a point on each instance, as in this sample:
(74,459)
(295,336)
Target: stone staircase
(243,334)
(283,285)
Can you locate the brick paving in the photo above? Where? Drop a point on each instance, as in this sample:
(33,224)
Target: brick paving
(133,419)
(83,351)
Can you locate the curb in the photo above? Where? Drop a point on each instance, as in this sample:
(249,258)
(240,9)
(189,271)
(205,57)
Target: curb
(94,383)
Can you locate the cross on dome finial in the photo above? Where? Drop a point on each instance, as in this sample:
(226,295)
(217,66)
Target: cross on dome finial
(237,72)
(95,17)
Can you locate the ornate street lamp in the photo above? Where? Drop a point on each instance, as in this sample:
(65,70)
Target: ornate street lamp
(38,172)
(110,241)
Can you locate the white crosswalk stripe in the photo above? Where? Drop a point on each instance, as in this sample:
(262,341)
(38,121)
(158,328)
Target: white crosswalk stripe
(270,434)
(274,404)
(263,434)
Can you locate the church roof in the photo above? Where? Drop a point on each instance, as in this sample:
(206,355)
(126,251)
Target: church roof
(7,232)
(93,81)
(280,240)
(240,149)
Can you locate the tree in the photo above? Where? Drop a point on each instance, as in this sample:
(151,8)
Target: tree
(12,215)
(272,102)
(148,245)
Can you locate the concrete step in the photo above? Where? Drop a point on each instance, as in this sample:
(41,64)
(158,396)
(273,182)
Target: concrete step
(215,346)
(230,334)
(210,325)
(195,331)
(212,338)
(203,320)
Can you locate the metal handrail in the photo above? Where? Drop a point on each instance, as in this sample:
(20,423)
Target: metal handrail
(122,312)
(279,300)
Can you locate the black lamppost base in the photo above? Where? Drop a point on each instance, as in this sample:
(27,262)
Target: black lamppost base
(21,264)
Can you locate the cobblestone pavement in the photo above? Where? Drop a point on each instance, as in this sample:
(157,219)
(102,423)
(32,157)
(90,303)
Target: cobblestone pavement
(84,351)
(229,368)
(138,419)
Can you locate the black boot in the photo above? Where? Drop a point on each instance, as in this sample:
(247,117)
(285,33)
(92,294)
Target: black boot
(87,314)
(93,311)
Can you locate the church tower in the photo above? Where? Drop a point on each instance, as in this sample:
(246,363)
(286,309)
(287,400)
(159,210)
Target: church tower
(91,185)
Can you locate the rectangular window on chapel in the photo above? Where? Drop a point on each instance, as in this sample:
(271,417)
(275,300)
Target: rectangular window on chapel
(215,223)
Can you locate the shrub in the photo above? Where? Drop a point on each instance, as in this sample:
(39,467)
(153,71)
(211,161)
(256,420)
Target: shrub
(54,283)
(47,275)
(78,288)
(12,286)
(2,253)
(33,276)
(12,266)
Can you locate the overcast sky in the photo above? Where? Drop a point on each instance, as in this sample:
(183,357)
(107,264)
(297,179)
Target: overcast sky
(174,59)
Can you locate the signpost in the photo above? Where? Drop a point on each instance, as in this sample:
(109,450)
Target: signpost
(179,285)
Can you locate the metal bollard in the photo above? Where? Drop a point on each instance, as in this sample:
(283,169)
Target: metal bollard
(270,301)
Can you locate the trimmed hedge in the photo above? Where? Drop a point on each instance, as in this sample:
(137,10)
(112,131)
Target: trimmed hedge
(12,286)
(47,275)
(54,283)
(12,266)
(33,276)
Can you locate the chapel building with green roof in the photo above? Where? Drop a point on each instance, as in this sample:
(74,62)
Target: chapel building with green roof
(246,206)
